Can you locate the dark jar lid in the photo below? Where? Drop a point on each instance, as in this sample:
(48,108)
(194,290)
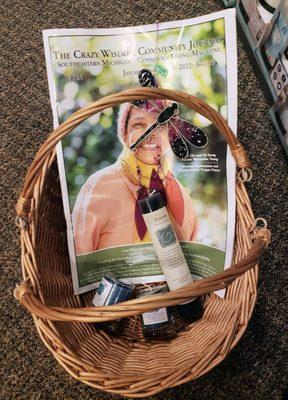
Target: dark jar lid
(151,203)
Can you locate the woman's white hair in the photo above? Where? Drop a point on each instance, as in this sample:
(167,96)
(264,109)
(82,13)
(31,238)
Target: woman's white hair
(122,121)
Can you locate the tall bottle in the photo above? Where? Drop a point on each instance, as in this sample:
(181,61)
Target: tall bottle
(168,251)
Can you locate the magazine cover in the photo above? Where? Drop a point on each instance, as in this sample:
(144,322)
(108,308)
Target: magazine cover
(103,169)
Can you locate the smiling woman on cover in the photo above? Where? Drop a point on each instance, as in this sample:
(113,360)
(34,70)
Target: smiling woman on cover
(106,213)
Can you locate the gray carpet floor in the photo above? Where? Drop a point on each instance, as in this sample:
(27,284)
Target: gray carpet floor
(255,369)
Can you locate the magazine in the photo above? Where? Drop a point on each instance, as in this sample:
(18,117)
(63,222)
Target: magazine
(102,177)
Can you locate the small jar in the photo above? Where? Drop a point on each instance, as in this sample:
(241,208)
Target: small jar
(112,290)
(157,324)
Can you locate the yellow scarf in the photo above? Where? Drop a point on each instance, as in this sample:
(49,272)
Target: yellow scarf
(128,164)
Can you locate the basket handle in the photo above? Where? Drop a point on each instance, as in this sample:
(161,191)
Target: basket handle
(192,102)
(27,295)
(24,293)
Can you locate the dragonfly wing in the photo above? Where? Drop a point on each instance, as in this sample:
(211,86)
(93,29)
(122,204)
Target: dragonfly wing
(178,145)
(195,136)
(147,79)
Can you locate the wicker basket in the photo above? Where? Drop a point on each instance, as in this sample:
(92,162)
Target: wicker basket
(129,365)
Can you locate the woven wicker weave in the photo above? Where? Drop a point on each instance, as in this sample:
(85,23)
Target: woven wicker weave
(129,365)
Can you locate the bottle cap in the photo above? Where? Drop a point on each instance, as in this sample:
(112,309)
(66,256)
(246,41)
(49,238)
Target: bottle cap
(151,203)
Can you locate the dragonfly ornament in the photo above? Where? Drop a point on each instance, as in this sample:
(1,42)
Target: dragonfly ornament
(182,134)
